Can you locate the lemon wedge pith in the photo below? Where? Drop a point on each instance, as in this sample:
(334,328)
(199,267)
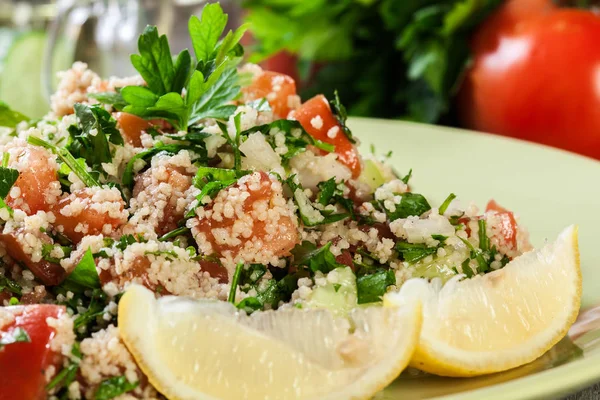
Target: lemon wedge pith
(501,320)
(192,349)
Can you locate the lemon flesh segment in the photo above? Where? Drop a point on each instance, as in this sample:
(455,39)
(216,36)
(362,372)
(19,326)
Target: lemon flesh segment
(194,349)
(500,320)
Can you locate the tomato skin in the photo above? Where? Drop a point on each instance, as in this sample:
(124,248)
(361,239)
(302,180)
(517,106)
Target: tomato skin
(22,365)
(132,127)
(539,81)
(276,88)
(508,222)
(318,106)
(89,216)
(33,181)
(49,273)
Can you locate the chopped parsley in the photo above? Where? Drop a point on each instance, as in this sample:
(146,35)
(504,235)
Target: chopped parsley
(18,335)
(315,258)
(7,284)
(67,375)
(309,214)
(8,177)
(67,158)
(296,138)
(90,138)
(411,204)
(340,114)
(371,287)
(235,282)
(47,249)
(446,203)
(113,387)
(330,193)
(84,276)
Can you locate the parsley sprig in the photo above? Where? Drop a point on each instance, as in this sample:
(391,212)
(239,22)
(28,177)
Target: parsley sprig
(185,91)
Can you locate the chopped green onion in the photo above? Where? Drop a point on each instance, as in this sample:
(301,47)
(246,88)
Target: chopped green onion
(234,282)
(446,203)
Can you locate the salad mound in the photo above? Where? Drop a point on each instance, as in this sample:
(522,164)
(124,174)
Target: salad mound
(206,178)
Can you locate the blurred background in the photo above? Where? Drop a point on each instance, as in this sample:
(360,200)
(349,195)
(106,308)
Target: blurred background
(523,68)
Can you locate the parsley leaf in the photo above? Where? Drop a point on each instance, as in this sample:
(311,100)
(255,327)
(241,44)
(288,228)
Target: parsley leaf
(8,284)
(47,249)
(296,138)
(154,63)
(68,374)
(411,204)
(68,159)
(330,193)
(8,177)
(206,32)
(340,114)
(10,118)
(370,288)
(310,215)
(235,281)
(115,99)
(446,203)
(113,387)
(316,259)
(84,276)
(18,335)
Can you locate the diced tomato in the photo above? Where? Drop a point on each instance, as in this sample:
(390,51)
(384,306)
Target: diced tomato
(22,365)
(49,273)
(132,127)
(346,259)
(316,118)
(90,216)
(279,245)
(215,270)
(508,222)
(276,88)
(34,180)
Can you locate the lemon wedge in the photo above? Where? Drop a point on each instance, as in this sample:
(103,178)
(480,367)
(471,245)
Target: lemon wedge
(194,349)
(501,320)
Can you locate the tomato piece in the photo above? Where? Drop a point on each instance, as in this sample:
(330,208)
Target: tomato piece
(215,270)
(538,80)
(346,259)
(49,273)
(84,209)
(316,118)
(37,174)
(508,223)
(22,365)
(276,88)
(247,222)
(132,127)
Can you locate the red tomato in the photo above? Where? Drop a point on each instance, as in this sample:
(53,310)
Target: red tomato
(49,273)
(89,216)
(22,365)
(132,127)
(33,181)
(316,118)
(279,245)
(282,62)
(276,88)
(538,79)
(508,222)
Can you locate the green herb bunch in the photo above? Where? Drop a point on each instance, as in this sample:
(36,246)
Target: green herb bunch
(387,58)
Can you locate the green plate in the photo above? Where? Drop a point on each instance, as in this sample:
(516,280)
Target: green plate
(549,189)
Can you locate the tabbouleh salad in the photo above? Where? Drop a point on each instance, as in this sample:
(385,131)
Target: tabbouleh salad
(205,178)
